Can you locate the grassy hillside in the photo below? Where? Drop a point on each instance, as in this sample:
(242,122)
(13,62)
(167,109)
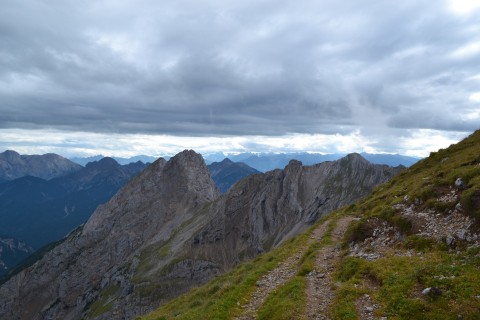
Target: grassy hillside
(411,252)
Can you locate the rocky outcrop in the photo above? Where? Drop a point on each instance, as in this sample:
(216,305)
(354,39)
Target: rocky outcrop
(169,229)
(47,166)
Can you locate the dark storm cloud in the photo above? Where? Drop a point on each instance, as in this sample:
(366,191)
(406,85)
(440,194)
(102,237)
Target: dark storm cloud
(234,68)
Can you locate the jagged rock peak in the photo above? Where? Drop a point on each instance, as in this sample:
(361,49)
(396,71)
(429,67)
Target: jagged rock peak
(187,161)
(187,156)
(294,163)
(355,157)
(189,169)
(159,163)
(293,168)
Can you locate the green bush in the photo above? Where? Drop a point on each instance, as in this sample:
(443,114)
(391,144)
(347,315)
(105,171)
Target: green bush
(419,243)
(403,224)
(358,231)
(348,268)
(470,201)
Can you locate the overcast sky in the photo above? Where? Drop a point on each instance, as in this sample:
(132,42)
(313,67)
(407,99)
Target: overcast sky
(156,77)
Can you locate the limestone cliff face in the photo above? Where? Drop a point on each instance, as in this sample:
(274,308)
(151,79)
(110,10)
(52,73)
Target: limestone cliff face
(169,229)
(262,211)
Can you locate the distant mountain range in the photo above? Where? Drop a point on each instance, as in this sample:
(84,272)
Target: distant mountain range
(47,166)
(123,161)
(264,162)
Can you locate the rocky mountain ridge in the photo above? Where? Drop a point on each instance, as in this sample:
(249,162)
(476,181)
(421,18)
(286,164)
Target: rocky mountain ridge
(262,211)
(169,229)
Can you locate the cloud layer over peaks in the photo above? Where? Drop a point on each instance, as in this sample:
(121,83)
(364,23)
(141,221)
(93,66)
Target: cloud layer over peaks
(215,68)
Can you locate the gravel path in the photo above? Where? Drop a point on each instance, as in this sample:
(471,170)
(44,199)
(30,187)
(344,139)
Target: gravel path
(319,291)
(278,276)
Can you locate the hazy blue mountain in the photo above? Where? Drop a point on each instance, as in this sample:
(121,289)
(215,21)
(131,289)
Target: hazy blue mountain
(47,166)
(141,158)
(84,160)
(390,159)
(214,157)
(120,160)
(269,161)
(226,173)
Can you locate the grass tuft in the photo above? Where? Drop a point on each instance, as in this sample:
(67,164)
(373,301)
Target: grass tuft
(286,303)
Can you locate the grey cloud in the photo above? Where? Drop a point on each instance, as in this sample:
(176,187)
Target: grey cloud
(229,68)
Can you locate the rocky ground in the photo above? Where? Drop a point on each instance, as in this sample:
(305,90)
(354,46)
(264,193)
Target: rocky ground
(449,228)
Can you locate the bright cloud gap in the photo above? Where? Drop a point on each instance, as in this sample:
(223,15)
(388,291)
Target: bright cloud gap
(419,143)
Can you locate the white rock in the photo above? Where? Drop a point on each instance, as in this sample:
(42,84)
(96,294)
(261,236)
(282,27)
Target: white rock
(459,183)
